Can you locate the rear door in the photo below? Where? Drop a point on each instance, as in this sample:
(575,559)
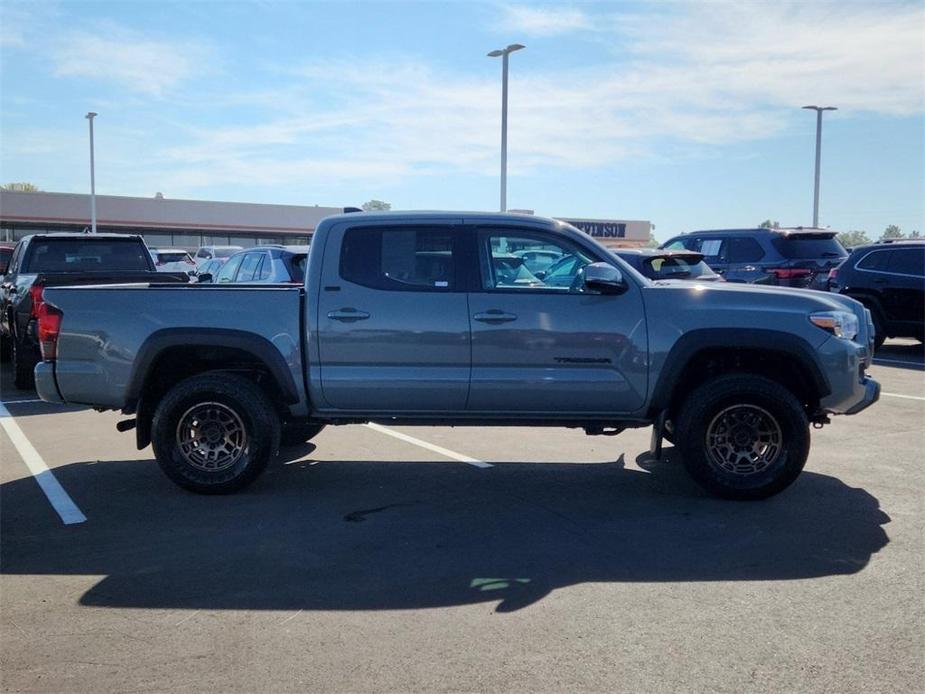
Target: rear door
(742,255)
(904,286)
(393,323)
(546,348)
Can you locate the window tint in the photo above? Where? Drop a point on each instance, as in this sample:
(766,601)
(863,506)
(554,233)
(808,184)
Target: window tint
(5,255)
(79,255)
(263,272)
(297,267)
(229,268)
(802,246)
(711,248)
(876,260)
(171,257)
(678,245)
(504,268)
(743,250)
(399,259)
(676,267)
(202,253)
(248,267)
(907,261)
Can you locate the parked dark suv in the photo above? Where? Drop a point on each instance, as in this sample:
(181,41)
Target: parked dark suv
(798,257)
(889,279)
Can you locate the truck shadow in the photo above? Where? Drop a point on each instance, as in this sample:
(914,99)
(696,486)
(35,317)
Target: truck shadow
(382,535)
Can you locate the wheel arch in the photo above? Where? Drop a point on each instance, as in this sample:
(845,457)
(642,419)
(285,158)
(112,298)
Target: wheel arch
(702,354)
(171,355)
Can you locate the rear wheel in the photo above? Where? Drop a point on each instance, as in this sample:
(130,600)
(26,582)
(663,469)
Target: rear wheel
(742,436)
(879,327)
(23,377)
(215,433)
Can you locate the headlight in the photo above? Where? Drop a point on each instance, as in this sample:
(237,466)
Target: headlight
(840,323)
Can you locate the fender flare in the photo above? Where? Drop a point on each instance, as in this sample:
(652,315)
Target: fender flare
(256,345)
(692,343)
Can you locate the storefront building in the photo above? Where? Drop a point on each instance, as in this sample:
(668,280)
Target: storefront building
(189,224)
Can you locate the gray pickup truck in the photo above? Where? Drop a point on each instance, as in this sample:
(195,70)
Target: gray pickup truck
(459,319)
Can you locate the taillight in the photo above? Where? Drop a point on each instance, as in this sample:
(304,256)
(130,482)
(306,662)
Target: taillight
(190,261)
(790,273)
(833,274)
(35,292)
(49,326)
(158,263)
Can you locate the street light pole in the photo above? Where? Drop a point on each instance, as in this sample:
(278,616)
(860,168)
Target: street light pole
(818,110)
(504,53)
(90,116)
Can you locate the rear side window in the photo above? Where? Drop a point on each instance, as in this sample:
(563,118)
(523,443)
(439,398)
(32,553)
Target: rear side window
(743,250)
(805,247)
(399,259)
(907,261)
(875,261)
(249,267)
(90,255)
(5,255)
(226,274)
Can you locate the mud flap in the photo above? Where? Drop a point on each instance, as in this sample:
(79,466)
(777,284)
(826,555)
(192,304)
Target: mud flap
(658,428)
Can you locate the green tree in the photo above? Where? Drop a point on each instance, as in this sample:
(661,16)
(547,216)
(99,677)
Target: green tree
(21,187)
(768,224)
(893,232)
(915,234)
(376,206)
(850,239)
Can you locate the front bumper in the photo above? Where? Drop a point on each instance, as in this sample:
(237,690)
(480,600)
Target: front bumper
(845,364)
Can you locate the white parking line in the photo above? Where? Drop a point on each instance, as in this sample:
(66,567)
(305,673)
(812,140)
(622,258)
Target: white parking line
(878,360)
(907,397)
(57,497)
(429,446)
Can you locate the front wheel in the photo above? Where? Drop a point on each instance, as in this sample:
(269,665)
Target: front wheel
(742,436)
(215,433)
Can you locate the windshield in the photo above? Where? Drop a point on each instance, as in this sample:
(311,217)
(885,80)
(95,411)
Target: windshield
(87,255)
(171,257)
(677,267)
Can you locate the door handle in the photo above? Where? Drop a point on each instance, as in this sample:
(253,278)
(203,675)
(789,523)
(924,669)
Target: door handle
(495,316)
(348,315)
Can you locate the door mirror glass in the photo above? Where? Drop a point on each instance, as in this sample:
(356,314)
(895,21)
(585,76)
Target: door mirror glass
(204,277)
(603,278)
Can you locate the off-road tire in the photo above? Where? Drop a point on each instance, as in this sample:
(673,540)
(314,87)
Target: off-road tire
(243,403)
(23,377)
(720,400)
(6,350)
(295,434)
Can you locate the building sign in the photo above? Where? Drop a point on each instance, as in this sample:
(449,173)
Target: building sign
(599,230)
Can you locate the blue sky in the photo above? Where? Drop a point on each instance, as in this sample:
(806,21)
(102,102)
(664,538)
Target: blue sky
(686,114)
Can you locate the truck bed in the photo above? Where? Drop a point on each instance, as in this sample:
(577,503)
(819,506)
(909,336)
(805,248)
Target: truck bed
(107,329)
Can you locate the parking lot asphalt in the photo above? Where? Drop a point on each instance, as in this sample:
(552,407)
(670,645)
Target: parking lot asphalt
(466,559)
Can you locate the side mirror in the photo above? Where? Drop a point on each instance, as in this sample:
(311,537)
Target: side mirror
(603,278)
(540,274)
(204,277)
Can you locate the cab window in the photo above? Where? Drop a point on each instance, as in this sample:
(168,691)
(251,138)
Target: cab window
(503,262)
(422,259)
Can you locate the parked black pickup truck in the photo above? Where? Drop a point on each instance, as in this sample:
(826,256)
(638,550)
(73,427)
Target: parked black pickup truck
(57,260)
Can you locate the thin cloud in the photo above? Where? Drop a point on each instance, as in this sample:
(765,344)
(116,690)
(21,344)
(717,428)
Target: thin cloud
(129,59)
(542,21)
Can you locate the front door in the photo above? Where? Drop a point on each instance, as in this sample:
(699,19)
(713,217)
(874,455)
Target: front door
(393,320)
(543,346)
